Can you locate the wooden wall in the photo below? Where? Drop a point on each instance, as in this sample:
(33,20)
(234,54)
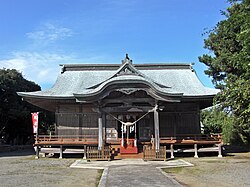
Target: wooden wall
(176,118)
(76,120)
(179,118)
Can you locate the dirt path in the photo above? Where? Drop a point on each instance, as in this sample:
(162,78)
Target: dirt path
(212,171)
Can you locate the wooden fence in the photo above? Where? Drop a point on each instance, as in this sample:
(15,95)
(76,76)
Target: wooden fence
(94,154)
(152,154)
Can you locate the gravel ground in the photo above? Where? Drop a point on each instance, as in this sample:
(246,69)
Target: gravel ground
(228,171)
(50,172)
(19,168)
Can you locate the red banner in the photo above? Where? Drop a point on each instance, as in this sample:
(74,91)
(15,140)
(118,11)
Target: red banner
(35,121)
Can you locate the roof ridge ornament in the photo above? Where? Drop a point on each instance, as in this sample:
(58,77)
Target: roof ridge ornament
(126,59)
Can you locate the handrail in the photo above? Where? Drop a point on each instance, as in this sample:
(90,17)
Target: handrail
(196,137)
(94,138)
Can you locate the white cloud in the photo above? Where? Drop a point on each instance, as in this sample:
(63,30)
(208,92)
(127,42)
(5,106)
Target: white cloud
(41,68)
(50,33)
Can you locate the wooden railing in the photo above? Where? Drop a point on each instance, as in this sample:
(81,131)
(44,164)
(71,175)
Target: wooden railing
(66,139)
(152,154)
(93,139)
(95,154)
(193,138)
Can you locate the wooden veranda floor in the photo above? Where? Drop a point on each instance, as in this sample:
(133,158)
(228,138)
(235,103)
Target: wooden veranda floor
(83,140)
(62,144)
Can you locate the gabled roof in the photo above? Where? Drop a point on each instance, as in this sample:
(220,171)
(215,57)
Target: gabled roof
(87,80)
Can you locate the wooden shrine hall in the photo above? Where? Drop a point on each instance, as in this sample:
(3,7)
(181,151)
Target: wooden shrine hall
(112,111)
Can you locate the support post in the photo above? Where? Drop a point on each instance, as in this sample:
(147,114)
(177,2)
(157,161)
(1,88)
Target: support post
(37,152)
(85,152)
(156,124)
(100,138)
(61,152)
(104,128)
(219,151)
(135,142)
(195,151)
(122,136)
(172,150)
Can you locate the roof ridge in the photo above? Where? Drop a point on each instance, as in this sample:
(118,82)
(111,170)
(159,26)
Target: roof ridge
(114,67)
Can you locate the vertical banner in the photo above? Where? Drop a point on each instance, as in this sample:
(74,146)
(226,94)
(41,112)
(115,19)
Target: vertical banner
(35,121)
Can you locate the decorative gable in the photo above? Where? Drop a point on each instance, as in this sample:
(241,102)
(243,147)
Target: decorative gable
(127,68)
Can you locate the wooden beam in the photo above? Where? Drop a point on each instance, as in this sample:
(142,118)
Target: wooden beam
(127,100)
(119,109)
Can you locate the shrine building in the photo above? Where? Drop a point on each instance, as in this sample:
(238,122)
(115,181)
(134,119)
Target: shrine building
(114,111)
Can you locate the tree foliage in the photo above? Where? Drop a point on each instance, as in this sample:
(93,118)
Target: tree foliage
(229,64)
(215,120)
(15,117)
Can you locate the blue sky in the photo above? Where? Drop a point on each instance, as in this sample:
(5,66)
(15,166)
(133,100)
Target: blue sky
(38,35)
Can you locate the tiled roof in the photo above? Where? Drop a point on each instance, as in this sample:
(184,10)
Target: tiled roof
(91,79)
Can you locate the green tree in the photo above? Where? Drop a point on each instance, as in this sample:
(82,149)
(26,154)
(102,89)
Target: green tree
(215,120)
(15,117)
(229,65)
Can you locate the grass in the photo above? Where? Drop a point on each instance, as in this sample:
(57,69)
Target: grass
(183,170)
(99,176)
(173,170)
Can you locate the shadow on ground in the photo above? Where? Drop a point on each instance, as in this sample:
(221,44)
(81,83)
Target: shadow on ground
(13,151)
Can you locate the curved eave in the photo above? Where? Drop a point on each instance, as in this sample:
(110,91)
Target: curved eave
(115,82)
(116,73)
(36,96)
(199,96)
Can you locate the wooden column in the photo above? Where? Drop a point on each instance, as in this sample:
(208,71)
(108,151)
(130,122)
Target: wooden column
(219,151)
(122,143)
(172,150)
(195,151)
(104,128)
(100,139)
(85,152)
(61,152)
(80,121)
(157,135)
(37,152)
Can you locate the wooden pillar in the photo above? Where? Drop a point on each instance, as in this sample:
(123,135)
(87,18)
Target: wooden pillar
(100,139)
(122,136)
(37,152)
(61,152)
(80,121)
(172,150)
(135,141)
(195,151)
(85,152)
(157,135)
(219,151)
(104,128)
